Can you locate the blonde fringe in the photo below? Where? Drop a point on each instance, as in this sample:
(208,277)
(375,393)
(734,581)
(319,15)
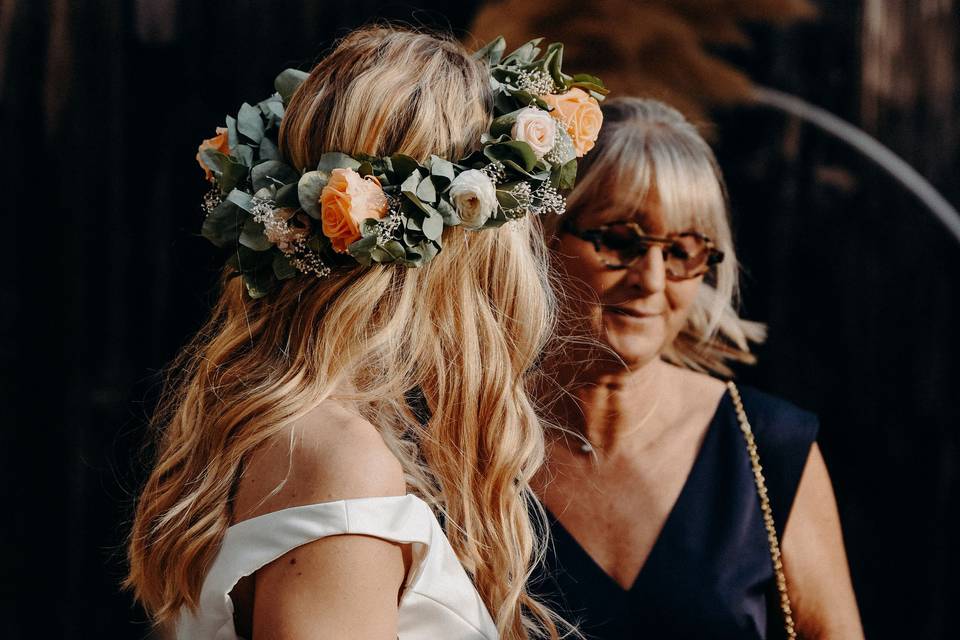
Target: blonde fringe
(466,330)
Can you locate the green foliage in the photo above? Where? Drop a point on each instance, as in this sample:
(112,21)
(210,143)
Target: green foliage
(255,175)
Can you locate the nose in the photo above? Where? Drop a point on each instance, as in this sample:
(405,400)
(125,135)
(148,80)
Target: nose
(649,272)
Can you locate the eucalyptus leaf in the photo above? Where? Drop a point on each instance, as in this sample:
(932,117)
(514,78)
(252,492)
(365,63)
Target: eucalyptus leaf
(250,123)
(403,166)
(268,150)
(526,53)
(233,174)
(287,196)
(449,214)
(443,172)
(365,168)
(253,236)
(282,268)
(288,81)
(232,134)
(308,192)
(273,172)
(566,176)
(492,52)
(259,282)
(222,226)
(426,191)
(336,160)
(433,226)
(245,154)
(516,150)
(241,198)
(507,200)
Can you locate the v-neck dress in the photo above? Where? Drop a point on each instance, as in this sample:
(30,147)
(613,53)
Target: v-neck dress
(709,573)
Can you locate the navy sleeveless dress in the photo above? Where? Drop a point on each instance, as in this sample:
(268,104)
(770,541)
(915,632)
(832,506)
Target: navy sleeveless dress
(709,573)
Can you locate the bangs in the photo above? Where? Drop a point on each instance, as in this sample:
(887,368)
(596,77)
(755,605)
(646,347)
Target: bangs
(643,164)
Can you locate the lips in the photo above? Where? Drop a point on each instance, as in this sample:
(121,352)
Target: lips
(633,313)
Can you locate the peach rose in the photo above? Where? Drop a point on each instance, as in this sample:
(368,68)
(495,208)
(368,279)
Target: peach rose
(346,202)
(580,114)
(219,142)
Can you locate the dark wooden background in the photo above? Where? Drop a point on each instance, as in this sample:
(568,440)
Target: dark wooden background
(102,105)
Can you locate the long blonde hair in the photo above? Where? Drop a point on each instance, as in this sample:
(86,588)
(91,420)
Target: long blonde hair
(465,330)
(644,147)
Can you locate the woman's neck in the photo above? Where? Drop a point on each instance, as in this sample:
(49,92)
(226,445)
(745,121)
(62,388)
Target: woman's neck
(615,406)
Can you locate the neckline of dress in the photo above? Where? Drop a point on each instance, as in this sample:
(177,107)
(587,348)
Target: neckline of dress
(709,435)
(264,517)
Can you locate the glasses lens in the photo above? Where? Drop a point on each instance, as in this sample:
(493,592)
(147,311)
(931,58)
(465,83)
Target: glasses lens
(687,255)
(620,244)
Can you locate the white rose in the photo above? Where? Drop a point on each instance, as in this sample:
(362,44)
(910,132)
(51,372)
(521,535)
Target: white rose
(474,196)
(537,128)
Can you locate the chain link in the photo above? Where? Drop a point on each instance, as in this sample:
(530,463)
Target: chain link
(767,511)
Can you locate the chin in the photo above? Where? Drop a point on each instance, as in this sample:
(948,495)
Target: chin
(635,352)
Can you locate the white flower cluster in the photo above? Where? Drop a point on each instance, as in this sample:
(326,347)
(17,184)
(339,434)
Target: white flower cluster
(563,150)
(495,172)
(290,240)
(546,199)
(388,225)
(535,81)
(211,199)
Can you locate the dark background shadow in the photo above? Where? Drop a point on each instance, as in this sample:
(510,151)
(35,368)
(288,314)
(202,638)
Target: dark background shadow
(102,106)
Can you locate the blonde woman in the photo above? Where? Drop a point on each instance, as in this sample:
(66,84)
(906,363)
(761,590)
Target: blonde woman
(659,507)
(333,404)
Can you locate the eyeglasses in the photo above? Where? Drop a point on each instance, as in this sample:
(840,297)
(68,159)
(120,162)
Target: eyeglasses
(621,244)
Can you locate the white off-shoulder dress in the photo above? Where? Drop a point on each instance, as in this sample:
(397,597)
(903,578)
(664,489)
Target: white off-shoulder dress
(438,602)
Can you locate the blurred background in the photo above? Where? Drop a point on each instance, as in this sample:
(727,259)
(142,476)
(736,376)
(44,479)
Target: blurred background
(103,104)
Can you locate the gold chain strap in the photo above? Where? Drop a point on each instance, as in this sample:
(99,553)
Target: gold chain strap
(767,511)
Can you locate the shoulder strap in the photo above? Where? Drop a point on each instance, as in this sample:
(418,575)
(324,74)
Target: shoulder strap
(768,523)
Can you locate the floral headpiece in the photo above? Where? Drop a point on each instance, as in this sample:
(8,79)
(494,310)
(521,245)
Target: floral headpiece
(280,221)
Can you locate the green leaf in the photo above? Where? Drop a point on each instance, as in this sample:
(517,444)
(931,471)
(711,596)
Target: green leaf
(503,125)
(410,184)
(282,269)
(443,172)
(232,138)
(553,61)
(259,282)
(288,81)
(519,152)
(252,236)
(449,214)
(506,200)
(249,123)
(273,172)
(287,196)
(241,198)
(426,190)
(336,160)
(222,227)
(403,166)
(365,169)
(526,53)
(492,51)
(268,150)
(589,83)
(433,226)
(308,192)
(565,177)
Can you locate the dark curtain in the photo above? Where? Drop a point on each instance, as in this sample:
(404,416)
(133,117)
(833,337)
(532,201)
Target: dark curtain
(102,105)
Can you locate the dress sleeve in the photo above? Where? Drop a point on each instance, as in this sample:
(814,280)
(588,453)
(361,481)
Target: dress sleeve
(784,434)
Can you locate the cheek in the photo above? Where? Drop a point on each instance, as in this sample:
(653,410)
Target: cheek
(579,262)
(681,296)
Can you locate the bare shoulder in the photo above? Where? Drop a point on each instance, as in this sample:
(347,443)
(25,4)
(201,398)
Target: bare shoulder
(331,453)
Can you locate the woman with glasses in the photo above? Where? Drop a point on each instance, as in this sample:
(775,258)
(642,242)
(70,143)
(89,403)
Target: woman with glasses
(681,506)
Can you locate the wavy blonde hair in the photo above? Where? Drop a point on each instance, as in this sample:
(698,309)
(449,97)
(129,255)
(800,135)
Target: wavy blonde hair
(464,330)
(644,147)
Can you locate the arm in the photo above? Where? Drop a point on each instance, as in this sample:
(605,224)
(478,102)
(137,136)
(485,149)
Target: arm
(343,586)
(815,563)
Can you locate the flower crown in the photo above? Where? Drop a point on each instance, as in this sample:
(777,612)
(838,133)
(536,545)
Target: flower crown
(280,221)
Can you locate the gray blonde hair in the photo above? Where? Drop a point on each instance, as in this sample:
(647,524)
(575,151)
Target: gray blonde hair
(647,147)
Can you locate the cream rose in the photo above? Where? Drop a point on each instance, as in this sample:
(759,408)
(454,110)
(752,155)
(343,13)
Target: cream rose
(580,114)
(537,128)
(474,196)
(345,202)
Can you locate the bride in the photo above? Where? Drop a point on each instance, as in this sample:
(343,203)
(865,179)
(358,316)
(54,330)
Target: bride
(354,380)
